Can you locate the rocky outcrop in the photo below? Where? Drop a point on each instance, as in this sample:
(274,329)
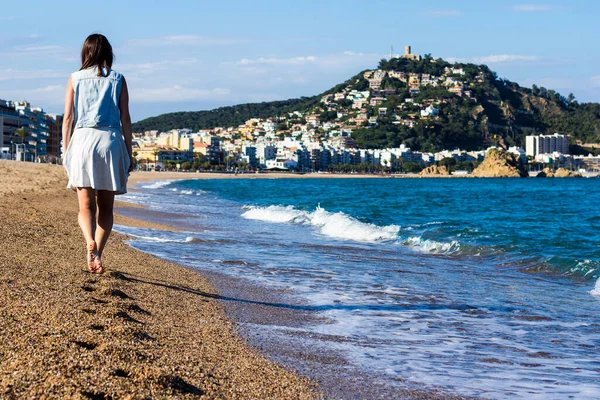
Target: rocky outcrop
(434,170)
(500,164)
(565,173)
(559,173)
(545,173)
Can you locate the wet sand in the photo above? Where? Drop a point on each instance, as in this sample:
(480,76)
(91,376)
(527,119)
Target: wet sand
(145,329)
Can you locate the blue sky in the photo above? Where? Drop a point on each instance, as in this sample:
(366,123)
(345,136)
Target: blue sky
(191,55)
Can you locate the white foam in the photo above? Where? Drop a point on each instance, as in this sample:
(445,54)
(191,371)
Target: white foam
(154,239)
(586,267)
(336,225)
(189,239)
(432,246)
(157,184)
(278,214)
(187,192)
(596,290)
(342,226)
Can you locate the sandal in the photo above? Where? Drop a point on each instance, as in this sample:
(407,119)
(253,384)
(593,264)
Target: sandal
(92,254)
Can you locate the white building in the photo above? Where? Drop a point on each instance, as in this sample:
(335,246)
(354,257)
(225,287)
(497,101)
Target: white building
(429,111)
(281,164)
(265,152)
(546,144)
(519,152)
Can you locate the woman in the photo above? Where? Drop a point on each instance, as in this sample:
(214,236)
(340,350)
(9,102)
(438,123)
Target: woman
(97,139)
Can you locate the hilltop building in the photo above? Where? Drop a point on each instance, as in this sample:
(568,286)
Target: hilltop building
(409,55)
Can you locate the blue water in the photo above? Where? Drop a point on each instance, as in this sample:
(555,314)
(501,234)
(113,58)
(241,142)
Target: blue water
(481,287)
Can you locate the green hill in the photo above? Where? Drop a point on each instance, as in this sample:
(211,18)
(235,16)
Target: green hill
(223,116)
(476,110)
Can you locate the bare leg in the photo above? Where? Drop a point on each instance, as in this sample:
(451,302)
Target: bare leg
(87,222)
(106,201)
(87,213)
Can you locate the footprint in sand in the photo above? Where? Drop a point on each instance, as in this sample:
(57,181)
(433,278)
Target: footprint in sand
(85,345)
(123,315)
(88,288)
(121,373)
(138,309)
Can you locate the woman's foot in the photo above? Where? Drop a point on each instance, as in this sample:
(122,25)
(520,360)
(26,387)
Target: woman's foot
(92,254)
(99,269)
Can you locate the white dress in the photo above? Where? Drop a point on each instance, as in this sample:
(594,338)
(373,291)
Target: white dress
(97,158)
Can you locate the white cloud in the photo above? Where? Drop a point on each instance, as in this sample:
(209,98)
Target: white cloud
(41,49)
(17,74)
(502,58)
(496,58)
(353,54)
(310,69)
(532,7)
(176,93)
(45,97)
(444,13)
(15,48)
(50,89)
(279,61)
(155,66)
(187,40)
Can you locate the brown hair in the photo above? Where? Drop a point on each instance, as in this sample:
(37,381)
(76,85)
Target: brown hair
(97,52)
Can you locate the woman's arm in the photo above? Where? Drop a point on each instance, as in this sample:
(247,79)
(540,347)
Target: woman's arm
(126,121)
(69,116)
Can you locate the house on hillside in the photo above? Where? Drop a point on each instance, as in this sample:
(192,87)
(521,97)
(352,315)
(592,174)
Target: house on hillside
(429,111)
(376,101)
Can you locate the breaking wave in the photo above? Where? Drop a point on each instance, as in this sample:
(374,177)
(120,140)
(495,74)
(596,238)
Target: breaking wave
(336,225)
(157,185)
(431,246)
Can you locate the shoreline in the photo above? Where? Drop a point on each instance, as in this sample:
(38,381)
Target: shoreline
(147,176)
(146,328)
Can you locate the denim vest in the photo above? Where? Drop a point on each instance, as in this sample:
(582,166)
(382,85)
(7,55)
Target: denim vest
(97,98)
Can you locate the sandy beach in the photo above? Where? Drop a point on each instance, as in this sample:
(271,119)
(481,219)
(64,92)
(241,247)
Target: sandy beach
(146,328)
(144,176)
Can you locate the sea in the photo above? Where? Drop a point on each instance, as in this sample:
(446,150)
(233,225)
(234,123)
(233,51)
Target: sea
(477,287)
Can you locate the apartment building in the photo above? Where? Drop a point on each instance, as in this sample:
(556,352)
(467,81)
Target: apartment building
(546,144)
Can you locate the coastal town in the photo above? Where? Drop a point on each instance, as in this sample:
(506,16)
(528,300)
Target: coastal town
(317,140)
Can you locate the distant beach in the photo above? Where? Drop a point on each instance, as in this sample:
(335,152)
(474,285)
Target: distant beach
(145,176)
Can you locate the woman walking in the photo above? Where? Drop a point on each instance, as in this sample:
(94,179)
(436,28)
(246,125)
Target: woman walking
(97,138)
